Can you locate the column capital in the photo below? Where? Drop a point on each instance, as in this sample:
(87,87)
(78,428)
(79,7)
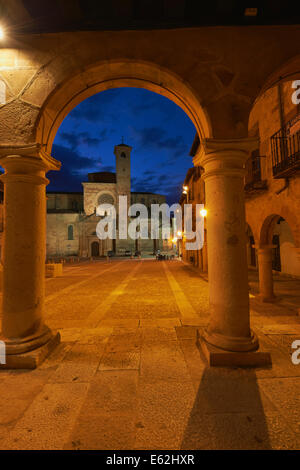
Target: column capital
(219,145)
(25,158)
(222,156)
(264,248)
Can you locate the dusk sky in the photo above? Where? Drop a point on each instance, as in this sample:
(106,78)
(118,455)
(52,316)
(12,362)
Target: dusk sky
(160,133)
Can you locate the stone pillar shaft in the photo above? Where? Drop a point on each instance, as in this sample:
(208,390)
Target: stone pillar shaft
(229,326)
(264,254)
(24,250)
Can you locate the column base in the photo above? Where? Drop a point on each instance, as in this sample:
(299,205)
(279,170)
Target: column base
(217,357)
(270,300)
(33,358)
(231,343)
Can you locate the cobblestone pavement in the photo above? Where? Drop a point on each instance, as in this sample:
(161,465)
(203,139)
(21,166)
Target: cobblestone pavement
(128,373)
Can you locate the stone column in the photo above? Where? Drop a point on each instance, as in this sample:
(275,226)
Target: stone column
(297,254)
(264,255)
(28,340)
(229,327)
(204,254)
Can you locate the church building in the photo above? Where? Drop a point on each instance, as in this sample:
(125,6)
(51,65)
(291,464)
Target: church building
(72,218)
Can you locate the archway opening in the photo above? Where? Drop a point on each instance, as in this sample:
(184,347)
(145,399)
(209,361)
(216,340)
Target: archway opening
(251,252)
(276,231)
(117,74)
(98,165)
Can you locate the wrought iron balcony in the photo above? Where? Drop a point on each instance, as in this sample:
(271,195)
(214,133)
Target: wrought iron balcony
(285,146)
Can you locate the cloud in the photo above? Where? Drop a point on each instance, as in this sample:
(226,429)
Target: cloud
(72,172)
(149,172)
(156,137)
(108,168)
(83,138)
(97,108)
(159,184)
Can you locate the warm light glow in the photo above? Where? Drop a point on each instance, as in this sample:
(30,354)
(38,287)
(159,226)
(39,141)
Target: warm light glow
(203,212)
(174,240)
(1,33)
(250,12)
(185,188)
(179,234)
(184,191)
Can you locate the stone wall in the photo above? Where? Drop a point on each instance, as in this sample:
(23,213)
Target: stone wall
(65,201)
(264,121)
(92,192)
(57,235)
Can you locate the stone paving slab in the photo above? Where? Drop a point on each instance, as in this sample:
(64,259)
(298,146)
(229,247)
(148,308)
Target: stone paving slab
(50,418)
(107,419)
(134,378)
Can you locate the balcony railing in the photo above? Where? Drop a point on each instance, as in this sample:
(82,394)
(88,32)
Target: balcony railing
(285,147)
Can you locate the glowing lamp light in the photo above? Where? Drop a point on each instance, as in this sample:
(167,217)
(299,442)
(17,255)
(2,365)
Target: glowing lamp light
(185,188)
(174,240)
(179,234)
(203,212)
(1,33)
(250,12)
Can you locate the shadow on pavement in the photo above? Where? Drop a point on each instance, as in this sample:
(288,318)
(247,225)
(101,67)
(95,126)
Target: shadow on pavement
(228,412)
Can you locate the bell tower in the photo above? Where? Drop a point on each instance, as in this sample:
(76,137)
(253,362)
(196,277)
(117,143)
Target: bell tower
(122,153)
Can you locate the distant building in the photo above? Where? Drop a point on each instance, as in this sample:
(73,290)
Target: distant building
(195,194)
(272,187)
(72,219)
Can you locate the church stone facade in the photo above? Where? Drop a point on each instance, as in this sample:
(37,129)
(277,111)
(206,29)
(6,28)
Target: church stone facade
(72,218)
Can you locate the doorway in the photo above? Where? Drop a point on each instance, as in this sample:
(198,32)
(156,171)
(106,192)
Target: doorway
(95,249)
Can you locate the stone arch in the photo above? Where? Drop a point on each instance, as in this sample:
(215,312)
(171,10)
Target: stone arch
(115,74)
(250,230)
(278,233)
(267,227)
(106,198)
(108,193)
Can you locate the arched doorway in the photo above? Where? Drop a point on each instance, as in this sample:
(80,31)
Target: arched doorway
(279,233)
(276,252)
(95,249)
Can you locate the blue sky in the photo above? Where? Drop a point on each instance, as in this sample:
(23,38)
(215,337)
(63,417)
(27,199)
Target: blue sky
(160,133)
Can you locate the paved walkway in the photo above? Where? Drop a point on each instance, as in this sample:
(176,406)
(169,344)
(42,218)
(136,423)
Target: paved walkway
(128,374)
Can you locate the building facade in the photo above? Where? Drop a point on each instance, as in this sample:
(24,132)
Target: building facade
(271,189)
(194,194)
(272,184)
(72,218)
